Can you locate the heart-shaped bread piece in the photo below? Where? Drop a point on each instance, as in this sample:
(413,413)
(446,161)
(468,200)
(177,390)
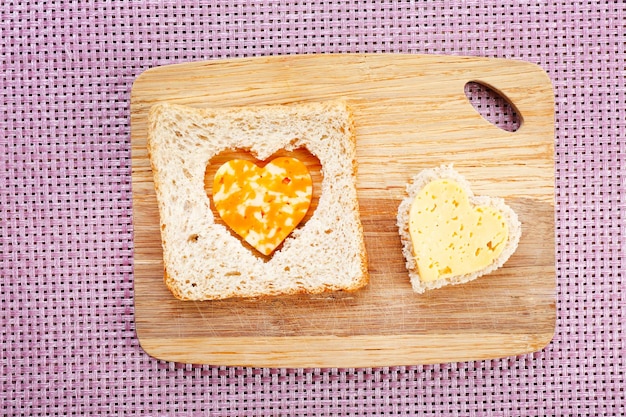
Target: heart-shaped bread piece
(263,204)
(450,236)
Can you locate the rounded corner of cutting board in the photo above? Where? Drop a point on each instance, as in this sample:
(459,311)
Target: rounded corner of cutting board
(148,346)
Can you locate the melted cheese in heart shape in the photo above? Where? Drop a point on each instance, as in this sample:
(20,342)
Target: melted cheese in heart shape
(450,236)
(263,204)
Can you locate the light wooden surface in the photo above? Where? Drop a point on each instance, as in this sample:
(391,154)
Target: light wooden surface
(411,113)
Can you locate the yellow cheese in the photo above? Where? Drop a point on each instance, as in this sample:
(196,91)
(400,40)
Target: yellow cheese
(450,236)
(263,204)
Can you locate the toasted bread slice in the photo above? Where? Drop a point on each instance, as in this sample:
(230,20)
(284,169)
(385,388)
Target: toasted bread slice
(202,259)
(450,236)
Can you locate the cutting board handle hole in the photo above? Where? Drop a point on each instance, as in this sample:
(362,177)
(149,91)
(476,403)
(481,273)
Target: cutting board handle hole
(493,106)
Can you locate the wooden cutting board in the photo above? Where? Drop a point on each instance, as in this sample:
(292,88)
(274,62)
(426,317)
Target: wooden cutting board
(411,113)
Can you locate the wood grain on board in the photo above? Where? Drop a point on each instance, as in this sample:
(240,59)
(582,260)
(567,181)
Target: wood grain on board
(411,113)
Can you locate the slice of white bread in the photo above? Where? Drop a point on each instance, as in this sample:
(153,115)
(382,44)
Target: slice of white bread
(203,260)
(420,181)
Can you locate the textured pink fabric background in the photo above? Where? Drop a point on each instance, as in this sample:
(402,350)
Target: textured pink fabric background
(68,345)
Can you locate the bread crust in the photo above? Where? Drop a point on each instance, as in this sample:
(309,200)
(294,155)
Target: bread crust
(415,185)
(327,253)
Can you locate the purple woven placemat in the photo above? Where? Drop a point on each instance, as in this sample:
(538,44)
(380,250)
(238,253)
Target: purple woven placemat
(68,345)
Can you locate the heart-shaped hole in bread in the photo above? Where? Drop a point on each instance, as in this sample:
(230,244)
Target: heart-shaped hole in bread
(262,202)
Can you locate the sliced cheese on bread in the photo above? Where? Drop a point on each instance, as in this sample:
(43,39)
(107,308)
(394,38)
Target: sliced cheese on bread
(263,204)
(203,259)
(450,236)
